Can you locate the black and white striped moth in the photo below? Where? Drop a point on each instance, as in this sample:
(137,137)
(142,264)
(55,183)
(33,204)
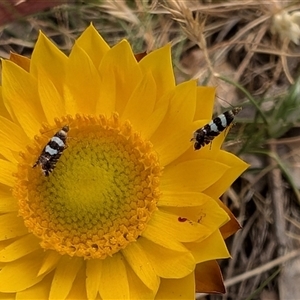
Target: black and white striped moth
(52,151)
(208,132)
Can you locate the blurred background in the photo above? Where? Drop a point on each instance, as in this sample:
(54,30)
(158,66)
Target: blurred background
(249,50)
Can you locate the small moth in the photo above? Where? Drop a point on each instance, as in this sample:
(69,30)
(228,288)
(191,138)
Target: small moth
(208,132)
(52,151)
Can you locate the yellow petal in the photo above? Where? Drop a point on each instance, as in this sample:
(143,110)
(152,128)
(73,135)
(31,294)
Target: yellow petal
(205,102)
(7,169)
(180,231)
(170,147)
(85,85)
(11,226)
(141,103)
(78,290)
(138,261)
(182,288)
(210,215)
(20,60)
(162,72)
(93,44)
(190,154)
(50,261)
(19,248)
(7,202)
(178,118)
(211,248)
(21,97)
(108,87)
(209,278)
(8,155)
(114,271)
(11,135)
(71,105)
(151,124)
(4,244)
(235,167)
(64,276)
(159,235)
(51,99)
(3,108)
(93,277)
(182,199)
(22,273)
(125,72)
(137,289)
(7,296)
(37,291)
(188,175)
(168,263)
(47,56)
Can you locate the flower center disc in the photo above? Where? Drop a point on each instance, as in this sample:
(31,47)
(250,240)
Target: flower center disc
(101,193)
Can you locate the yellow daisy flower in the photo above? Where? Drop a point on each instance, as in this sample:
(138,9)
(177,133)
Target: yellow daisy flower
(101,193)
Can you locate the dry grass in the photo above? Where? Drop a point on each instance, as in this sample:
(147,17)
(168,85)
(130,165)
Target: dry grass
(236,46)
